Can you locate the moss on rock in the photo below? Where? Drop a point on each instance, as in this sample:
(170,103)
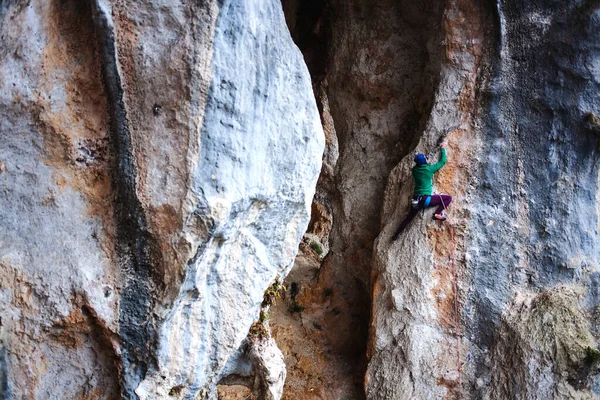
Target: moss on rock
(542,345)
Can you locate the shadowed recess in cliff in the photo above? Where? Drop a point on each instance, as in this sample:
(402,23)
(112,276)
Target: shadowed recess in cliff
(309,25)
(379,63)
(134,243)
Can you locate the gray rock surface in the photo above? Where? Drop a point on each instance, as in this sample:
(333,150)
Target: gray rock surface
(544,338)
(58,276)
(539,184)
(159,161)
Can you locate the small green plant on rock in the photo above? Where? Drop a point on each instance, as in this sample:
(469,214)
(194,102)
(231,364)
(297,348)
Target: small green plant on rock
(273,292)
(592,356)
(258,330)
(317,248)
(264,316)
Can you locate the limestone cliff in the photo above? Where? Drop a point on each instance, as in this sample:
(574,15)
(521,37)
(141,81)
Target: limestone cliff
(510,86)
(158,165)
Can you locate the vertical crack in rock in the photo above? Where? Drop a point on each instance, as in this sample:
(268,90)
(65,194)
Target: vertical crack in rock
(134,244)
(309,23)
(382,76)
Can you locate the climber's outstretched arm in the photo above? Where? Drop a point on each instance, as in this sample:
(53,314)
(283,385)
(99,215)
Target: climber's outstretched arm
(441,163)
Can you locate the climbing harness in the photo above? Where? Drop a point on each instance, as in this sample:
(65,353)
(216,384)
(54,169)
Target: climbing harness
(455,284)
(421,201)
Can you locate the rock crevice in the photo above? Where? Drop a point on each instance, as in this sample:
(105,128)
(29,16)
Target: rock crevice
(134,242)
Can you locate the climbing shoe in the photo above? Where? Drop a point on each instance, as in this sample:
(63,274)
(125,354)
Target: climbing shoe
(439,217)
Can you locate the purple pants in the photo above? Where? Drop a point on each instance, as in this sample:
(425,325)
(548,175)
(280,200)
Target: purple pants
(437,199)
(440,200)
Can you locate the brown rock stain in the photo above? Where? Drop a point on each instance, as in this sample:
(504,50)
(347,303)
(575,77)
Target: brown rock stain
(464,41)
(234,392)
(160,138)
(126,41)
(75,132)
(72,330)
(320,220)
(443,292)
(464,38)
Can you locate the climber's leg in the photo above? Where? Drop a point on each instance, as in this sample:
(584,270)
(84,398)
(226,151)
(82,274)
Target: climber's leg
(411,215)
(445,200)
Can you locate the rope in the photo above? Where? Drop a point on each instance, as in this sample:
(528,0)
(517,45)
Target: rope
(455,283)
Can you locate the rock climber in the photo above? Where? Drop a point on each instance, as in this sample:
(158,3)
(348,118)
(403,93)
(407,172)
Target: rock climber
(423,197)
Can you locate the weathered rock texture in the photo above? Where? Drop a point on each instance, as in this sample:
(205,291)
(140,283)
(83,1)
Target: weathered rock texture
(380,85)
(510,85)
(158,165)
(545,338)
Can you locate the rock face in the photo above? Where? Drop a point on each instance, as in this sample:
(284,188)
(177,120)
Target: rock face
(544,338)
(516,83)
(158,161)
(158,165)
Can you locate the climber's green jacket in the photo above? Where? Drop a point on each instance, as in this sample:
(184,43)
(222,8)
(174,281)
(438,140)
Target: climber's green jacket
(423,175)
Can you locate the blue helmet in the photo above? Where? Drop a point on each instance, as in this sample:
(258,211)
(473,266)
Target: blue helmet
(420,159)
